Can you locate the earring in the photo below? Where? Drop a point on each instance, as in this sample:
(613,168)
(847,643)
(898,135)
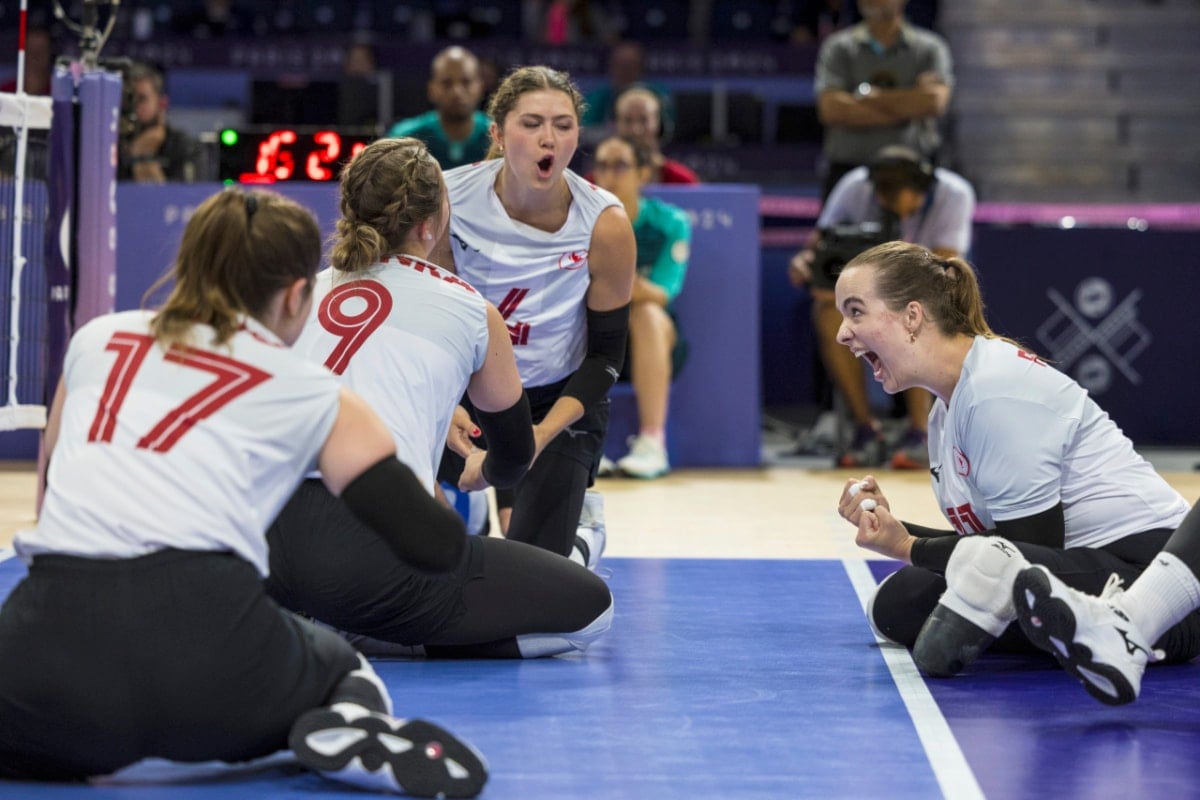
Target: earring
(428,237)
(912,337)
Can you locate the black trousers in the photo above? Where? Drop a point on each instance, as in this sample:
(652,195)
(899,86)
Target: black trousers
(177,655)
(546,503)
(327,564)
(907,598)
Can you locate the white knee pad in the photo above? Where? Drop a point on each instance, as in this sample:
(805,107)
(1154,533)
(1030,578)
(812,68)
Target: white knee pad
(979,580)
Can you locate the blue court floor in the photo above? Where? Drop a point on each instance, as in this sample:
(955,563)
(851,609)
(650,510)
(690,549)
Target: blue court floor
(761,679)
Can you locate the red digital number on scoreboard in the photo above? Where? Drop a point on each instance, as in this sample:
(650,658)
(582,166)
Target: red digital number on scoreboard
(280,153)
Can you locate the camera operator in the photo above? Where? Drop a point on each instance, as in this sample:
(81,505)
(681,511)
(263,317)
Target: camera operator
(898,195)
(151,150)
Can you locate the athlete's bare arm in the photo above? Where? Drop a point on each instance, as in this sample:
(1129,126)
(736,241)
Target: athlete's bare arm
(357,441)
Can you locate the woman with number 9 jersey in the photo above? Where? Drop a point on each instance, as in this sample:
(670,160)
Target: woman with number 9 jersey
(411,337)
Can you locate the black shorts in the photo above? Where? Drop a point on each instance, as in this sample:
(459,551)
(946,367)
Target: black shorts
(177,655)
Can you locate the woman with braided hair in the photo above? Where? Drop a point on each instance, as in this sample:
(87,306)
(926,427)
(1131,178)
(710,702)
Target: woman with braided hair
(412,338)
(1017,450)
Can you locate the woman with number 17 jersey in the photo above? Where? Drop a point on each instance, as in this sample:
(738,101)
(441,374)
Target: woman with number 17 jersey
(142,630)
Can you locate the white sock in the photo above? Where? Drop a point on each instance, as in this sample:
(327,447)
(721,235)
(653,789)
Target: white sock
(1162,595)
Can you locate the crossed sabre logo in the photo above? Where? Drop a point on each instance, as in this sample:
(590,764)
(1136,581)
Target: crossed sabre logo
(1117,337)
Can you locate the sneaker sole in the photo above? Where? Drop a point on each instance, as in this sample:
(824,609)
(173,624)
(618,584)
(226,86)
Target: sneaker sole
(1049,623)
(418,758)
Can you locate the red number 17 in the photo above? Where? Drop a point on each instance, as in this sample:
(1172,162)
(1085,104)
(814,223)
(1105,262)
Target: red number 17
(233,379)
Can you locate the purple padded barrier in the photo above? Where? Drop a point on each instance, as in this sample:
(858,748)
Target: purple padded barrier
(715,415)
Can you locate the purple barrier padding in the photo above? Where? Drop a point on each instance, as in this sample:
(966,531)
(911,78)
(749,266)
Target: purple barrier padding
(58,243)
(99,96)
(1102,305)
(716,400)
(150,222)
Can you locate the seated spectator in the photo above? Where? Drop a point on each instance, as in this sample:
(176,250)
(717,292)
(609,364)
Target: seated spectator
(151,151)
(455,131)
(358,88)
(656,351)
(926,206)
(639,118)
(626,65)
(560,22)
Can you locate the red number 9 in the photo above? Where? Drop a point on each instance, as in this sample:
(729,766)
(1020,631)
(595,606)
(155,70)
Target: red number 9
(353,328)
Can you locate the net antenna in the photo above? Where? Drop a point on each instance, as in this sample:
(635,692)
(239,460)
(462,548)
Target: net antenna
(21,112)
(91,38)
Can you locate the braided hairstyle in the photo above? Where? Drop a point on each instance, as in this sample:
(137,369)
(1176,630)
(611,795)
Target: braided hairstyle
(239,248)
(389,188)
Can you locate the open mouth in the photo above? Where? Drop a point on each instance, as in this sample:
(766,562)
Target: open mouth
(545,164)
(872,359)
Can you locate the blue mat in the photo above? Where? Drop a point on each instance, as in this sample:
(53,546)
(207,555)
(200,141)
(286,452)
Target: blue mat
(756,679)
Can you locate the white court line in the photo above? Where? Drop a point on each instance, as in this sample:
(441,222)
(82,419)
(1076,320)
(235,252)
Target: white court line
(941,748)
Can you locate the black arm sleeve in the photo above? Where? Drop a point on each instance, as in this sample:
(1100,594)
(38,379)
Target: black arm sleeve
(606,337)
(424,533)
(921,532)
(510,445)
(1047,528)
(450,467)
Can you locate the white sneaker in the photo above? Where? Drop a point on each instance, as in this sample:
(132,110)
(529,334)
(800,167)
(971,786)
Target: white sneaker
(975,608)
(592,534)
(607,467)
(647,459)
(347,743)
(1092,637)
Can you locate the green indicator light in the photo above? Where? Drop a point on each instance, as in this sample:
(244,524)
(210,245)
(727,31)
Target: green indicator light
(229,137)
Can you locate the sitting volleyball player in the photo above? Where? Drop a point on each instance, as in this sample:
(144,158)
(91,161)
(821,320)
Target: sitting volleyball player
(142,630)
(1017,450)
(411,338)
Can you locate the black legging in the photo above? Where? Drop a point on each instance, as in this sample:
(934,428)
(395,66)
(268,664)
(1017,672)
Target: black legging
(176,654)
(905,599)
(546,503)
(328,565)
(1185,542)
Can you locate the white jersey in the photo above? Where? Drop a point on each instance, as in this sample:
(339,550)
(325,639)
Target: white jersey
(406,336)
(538,280)
(195,448)
(1019,436)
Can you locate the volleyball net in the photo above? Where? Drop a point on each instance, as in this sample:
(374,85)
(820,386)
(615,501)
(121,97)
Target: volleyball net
(24,289)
